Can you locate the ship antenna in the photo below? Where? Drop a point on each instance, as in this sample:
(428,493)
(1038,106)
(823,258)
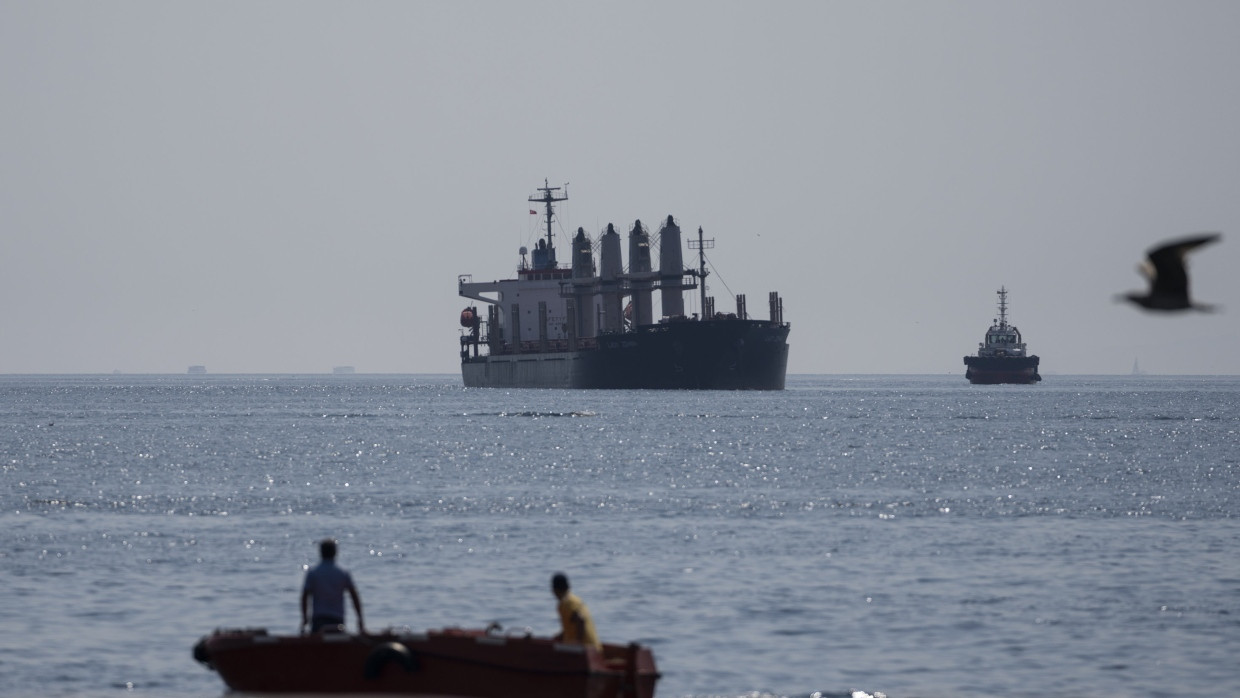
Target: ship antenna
(547,199)
(1002,306)
(701,247)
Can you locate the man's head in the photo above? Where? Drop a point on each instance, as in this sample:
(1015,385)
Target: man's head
(327,549)
(559,585)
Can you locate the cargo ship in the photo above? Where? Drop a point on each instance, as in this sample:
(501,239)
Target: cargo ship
(585,326)
(1002,358)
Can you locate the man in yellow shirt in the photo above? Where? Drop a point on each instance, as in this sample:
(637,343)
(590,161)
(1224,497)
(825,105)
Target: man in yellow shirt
(576,626)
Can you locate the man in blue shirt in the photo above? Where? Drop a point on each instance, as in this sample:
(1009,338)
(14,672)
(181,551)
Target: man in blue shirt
(326,584)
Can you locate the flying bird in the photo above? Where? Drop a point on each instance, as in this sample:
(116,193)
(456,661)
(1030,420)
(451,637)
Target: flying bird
(1168,276)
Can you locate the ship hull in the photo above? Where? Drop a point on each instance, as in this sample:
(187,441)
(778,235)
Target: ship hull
(986,370)
(688,355)
(435,664)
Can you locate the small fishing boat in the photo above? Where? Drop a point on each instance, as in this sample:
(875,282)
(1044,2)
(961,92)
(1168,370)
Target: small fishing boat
(471,663)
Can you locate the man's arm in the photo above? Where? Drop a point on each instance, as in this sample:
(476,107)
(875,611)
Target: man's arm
(357,606)
(580,624)
(305,609)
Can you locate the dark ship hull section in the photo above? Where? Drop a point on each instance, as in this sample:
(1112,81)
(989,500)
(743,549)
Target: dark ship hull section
(686,355)
(989,370)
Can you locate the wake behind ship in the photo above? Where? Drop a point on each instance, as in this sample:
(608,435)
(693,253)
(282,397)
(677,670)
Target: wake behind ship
(578,326)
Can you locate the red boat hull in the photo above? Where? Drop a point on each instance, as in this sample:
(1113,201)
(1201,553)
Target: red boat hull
(450,662)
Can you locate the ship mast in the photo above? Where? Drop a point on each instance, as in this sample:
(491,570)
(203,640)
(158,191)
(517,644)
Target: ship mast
(701,247)
(1002,306)
(547,199)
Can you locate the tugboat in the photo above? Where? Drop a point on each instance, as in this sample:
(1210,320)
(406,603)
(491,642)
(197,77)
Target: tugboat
(1002,358)
(576,326)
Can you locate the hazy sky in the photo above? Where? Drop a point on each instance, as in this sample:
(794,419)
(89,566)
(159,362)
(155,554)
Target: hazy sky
(291,186)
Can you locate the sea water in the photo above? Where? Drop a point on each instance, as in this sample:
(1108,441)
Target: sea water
(914,536)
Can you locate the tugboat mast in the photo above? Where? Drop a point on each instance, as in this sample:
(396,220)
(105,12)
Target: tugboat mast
(547,199)
(1002,306)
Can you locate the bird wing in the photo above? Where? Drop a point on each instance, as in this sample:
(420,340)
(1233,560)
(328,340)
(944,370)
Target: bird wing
(1170,275)
(1146,270)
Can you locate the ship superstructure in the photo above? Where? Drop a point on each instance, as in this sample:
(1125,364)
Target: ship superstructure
(1002,357)
(588,325)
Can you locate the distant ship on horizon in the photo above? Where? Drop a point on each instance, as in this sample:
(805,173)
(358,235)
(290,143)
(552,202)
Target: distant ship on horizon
(196,370)
(586,326)
(1002,358)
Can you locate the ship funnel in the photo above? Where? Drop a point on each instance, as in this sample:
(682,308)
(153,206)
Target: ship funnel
(583,284)
(639,272)
(544,256)
(611,266)
(583,256)
(671,269)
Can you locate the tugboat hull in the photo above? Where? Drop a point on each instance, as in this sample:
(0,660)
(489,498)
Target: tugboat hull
(985,370)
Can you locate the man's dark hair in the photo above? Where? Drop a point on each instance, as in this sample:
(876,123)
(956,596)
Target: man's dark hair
(559,582)
(327,549)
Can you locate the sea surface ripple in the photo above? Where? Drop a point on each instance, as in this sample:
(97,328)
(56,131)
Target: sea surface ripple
(903,535)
